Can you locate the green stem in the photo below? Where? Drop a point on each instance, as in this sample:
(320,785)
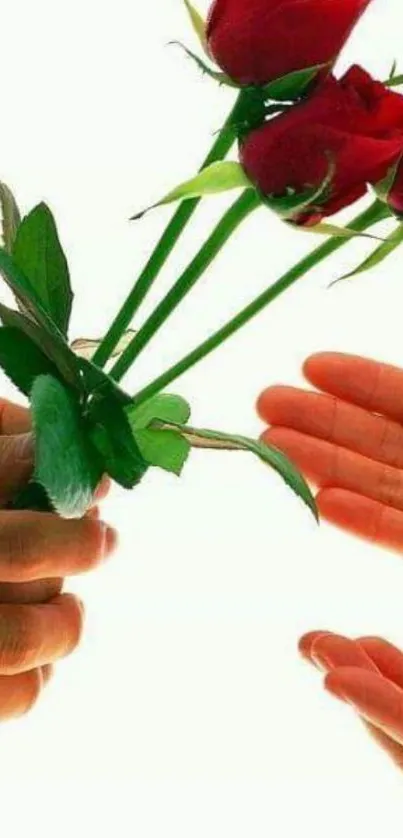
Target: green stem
(230,222)
(165,246)
(376,212)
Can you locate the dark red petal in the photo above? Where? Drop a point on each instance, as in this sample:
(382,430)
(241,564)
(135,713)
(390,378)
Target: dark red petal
(255,41)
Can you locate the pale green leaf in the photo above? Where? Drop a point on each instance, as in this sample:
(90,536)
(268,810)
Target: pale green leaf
(163,449)
(87,347)
(164,407)
(222,176)
(66,465)
(393,241)
(11,218)
(199,25)
(216,75)
(335,231)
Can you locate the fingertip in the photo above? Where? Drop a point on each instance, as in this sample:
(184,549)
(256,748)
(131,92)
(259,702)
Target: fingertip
(270,400)
(334,683)
(318,365)
(306,643)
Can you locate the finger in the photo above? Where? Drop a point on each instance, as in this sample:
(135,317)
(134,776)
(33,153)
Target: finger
(16,464)
(35,545)
(14,419)
(32,636)
(306,643)
(330,651)
(333,420)
(103,489)
(369,384)
(23,593)
(394,749)
(47,673)
(328,465)
(19,693)
(366,518)
(375,698)
(387,658)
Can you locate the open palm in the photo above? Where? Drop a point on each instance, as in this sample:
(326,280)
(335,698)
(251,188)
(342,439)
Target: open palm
(347,438)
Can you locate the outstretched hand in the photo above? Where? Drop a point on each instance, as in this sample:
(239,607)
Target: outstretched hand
(347,438)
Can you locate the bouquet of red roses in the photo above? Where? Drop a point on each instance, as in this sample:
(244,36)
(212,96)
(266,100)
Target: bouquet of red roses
(309,144)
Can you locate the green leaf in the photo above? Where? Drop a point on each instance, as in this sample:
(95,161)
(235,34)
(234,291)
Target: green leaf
(11,218)
(394,240)
(113,438)
(38,253)
(66,465)
(51,343)
(221,176)
(271,456)
(163,407)
(22,360)
(96,382)
(163,449)
(292,86)
(199,25)
(394,81)
(384,186)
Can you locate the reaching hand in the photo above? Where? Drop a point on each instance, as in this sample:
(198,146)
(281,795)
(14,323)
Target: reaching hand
(38,624)
(348,440)
(367,674)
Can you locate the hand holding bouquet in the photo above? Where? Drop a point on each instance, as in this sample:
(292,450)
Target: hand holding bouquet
(309,144)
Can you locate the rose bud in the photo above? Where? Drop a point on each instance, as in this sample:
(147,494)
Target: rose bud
(257,41)
(351,128)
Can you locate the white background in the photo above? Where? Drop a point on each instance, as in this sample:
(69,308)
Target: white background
(187,711)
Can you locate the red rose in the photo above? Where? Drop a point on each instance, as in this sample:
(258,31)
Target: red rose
(354,124)
(255,41)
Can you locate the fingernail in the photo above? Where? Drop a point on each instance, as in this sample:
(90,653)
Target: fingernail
(321,662)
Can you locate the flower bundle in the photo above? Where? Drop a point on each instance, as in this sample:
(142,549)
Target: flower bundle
(309,145)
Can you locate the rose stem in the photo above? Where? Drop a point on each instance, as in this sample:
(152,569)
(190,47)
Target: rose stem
(230,222)
(372,215)
(165,246)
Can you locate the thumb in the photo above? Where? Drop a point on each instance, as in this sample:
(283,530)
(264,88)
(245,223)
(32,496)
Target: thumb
(16,464)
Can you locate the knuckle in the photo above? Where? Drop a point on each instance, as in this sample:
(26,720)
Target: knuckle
(16,553)
(391,486)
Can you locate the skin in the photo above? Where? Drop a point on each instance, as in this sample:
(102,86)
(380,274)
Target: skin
(346,435)
(39,624)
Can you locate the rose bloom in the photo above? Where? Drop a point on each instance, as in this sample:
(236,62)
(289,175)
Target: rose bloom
(352,127)
(256,41)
